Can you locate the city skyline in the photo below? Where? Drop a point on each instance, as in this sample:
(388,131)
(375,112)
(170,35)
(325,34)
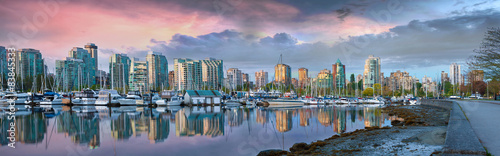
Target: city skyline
(223,31)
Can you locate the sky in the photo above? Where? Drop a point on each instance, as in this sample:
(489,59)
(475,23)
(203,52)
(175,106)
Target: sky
(422,37)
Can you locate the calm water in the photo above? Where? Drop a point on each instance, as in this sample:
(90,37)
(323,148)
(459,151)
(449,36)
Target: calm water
(181,131)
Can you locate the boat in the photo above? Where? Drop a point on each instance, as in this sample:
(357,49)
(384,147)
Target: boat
(17,98)
(173,101)
(285,101)
(413,101)
(87,97)
(232,102)
(147,98)
(133,98)
(343,101)
(34,97)
(103,98)
(55,99)
(313,101)
(373,101)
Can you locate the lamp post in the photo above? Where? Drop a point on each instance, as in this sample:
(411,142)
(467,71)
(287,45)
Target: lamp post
(487,90)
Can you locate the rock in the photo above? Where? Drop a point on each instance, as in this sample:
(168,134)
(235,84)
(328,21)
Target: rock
(298,147)
(376,145)
(396,123)
(273,152)
(411,139)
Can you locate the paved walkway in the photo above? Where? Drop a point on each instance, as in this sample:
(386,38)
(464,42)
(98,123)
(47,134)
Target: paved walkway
(484,117)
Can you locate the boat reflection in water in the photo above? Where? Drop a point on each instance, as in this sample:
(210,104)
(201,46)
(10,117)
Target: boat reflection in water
(210,130)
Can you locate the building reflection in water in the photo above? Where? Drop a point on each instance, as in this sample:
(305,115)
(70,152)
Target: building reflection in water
(189,123)
(121,128)
(284,120)
(30,129)
(339,123)
(83,128)
(304,115)
(325,116)
(156,125)
(158,129)
(235,117)
(4,126)
(373,117)
(262,116)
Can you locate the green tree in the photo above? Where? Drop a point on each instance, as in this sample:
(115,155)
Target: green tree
(368,92)
(377,87)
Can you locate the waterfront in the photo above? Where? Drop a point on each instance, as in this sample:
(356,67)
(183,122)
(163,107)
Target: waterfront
(182,130)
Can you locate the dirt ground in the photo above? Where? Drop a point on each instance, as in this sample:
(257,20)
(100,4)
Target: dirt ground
(421,132)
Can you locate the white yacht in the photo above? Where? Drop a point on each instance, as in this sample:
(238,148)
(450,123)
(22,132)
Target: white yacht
(313,101)
(284,101)
(133,98)
(103,98)
(173,101)
(17,98)
(52,100)
(232,102)
(147,99)
(343,101)
(374,101)
(87,97)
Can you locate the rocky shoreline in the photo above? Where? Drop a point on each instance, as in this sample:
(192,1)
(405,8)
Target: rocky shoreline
(421,131)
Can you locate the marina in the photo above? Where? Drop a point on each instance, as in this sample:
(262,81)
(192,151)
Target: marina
(60,130)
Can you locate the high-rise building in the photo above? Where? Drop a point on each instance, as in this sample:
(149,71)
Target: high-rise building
(138,76)
(359,78)
(372,71)
(338,72)
(171,79)
(187,74)
(29,63)
(245,78)
(3,65)
(428,85)
(119,68)
(88,70)
(455,74)
(261,78)
(397,80)
(212,73)
(324,79)
(92,49)
(295,82)
(282,74)
(444,77)
(475,75)
(69,74)
(102,78)
(234,77)
(303,77)
(157,70)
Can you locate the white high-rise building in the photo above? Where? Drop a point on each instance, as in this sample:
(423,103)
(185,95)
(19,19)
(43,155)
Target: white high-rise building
(157,70)
(234,77)
(261,78)
(119,69)
(187,74)
(455,77)
(372,71)
(139,76)
(212,73)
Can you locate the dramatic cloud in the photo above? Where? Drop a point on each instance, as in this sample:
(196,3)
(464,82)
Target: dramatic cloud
(417,46)
(251,34)
(421,45)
